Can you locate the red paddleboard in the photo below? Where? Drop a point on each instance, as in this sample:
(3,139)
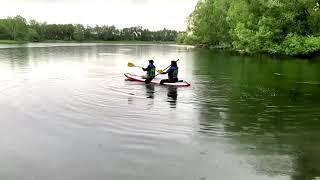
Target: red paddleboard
(134,77)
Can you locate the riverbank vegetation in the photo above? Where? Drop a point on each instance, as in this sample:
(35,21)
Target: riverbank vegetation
(17,29)
(256,26)
(11,42)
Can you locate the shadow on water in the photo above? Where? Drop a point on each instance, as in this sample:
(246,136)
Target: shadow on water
(271,120)
(150,90)
(163,94)
(172,94)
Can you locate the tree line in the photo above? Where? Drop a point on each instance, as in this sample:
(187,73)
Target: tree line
(256,26)
(17,28)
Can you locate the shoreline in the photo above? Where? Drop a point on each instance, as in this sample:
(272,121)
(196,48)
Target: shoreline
(224,48)
(107,42)
(229,49)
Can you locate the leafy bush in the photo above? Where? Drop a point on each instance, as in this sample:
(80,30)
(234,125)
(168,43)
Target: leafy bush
(268,26)
(300,45)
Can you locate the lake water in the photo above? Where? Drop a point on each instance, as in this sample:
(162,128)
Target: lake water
(67,113)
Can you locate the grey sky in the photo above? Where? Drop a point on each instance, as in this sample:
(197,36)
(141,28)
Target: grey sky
(152,14)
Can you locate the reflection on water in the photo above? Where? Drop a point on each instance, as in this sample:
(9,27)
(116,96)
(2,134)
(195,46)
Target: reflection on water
(172,96)
(150,90)
(242,118)
(273,120)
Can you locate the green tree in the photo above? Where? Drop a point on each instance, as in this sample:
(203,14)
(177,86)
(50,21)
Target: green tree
(4,30)
(32,35)
(18,29)
(208,22)
(272,26)
(40,28)
(79,32)
(13,28)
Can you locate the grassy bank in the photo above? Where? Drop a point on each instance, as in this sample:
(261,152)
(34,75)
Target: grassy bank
(11,42)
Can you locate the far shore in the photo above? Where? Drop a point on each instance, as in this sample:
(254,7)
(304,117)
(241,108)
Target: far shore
(59,41)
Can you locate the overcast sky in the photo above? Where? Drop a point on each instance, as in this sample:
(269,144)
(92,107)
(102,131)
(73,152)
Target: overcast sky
(152,14)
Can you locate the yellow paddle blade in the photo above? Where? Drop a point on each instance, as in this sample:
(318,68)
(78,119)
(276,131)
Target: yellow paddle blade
(131,65)
(160,71)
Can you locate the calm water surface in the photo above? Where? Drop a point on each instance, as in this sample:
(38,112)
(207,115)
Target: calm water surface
(67,113)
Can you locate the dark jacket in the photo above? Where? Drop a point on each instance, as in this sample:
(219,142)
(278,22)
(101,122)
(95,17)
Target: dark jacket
(151,70)
(173,72)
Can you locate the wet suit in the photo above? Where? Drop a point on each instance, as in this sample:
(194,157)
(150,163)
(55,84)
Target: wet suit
(151,73)
(172,75)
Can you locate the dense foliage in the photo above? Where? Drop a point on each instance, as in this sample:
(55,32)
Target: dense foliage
(268,26)
(17,28)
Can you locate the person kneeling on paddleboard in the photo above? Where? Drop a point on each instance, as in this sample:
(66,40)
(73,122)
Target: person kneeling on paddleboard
(151,72)
(172,73)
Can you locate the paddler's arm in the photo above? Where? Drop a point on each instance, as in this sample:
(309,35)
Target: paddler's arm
(146,69)
(167,71)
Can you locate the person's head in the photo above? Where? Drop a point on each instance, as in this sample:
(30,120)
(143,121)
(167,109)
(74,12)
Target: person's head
(151,61)
(173,63)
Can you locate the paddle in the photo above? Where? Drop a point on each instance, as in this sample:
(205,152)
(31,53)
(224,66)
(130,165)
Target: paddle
(133,65)
(161,71)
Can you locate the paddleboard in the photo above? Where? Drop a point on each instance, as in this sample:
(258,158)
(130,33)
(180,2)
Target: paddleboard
(134,77)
